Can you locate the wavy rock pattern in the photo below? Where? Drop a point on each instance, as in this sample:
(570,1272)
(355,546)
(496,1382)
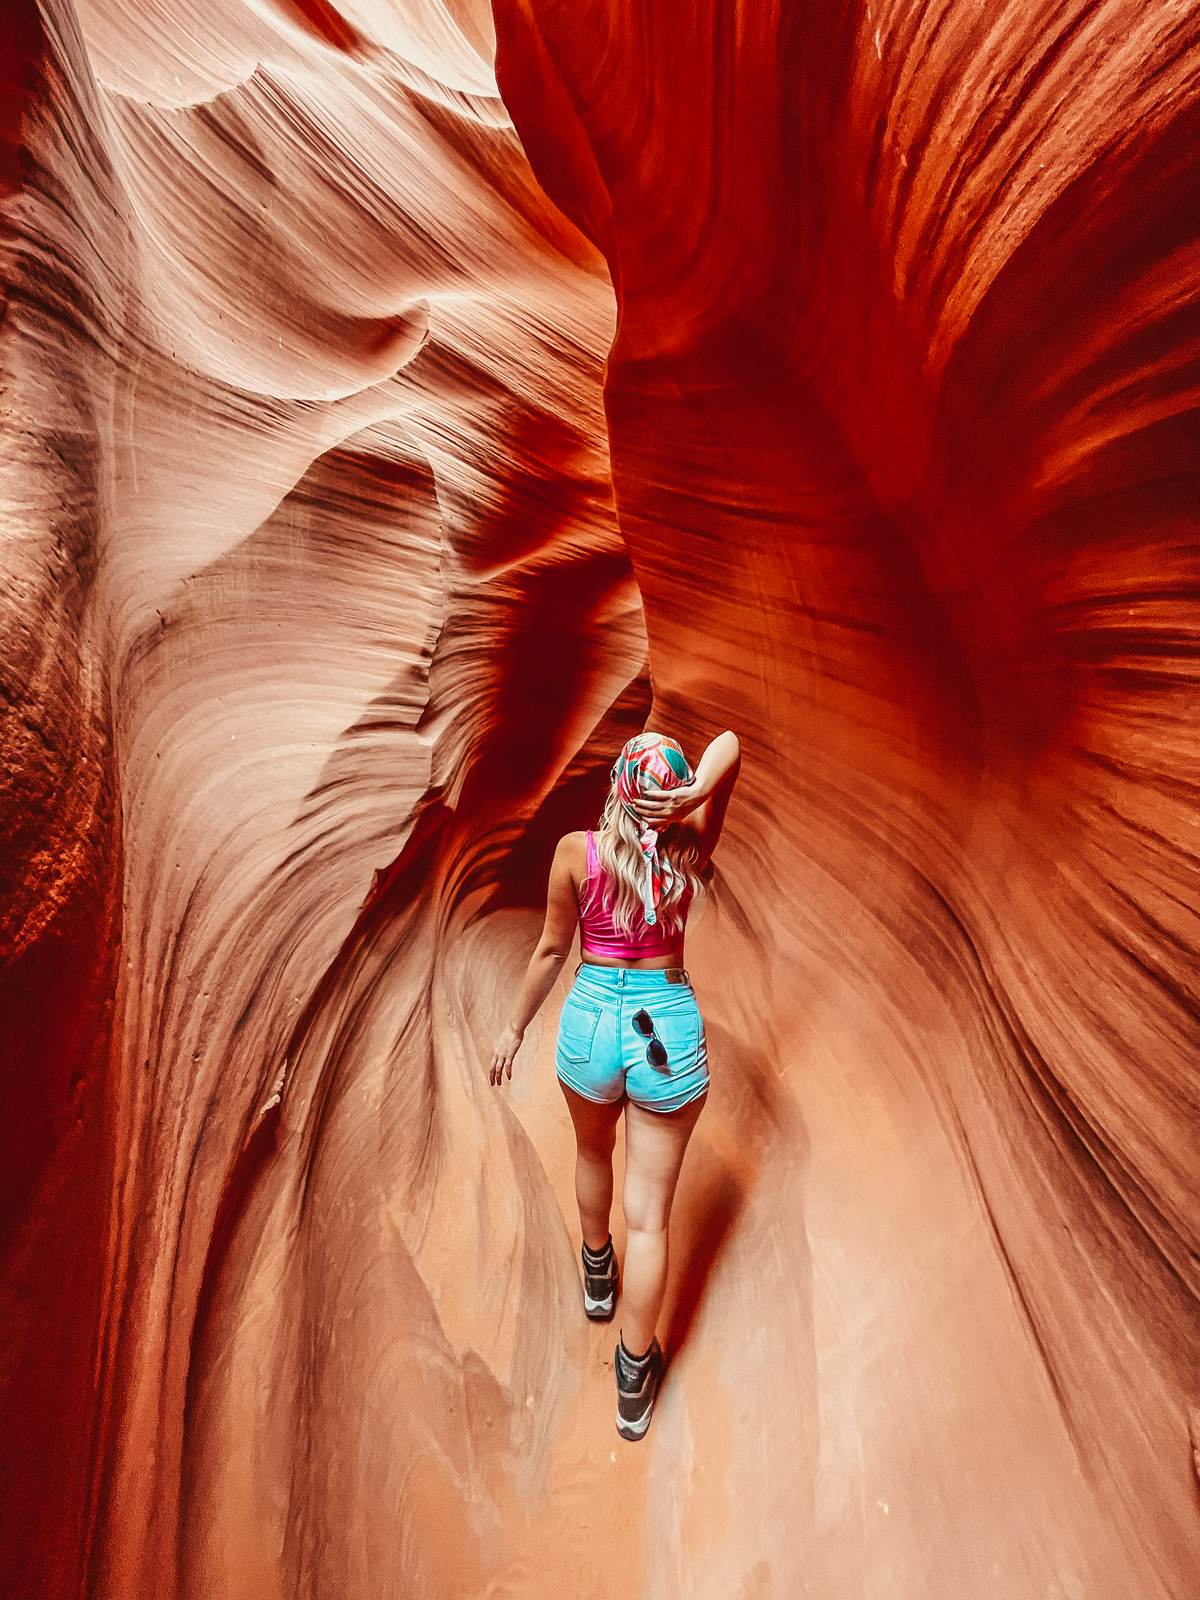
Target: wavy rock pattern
(358,500)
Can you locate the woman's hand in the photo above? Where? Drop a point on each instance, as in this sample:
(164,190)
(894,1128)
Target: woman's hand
(661,806)
(507,1046)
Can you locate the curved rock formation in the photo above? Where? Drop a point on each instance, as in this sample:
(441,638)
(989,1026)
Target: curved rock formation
(402,406)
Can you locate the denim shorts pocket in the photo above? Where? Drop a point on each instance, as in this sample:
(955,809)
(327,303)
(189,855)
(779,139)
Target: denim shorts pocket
(679,1029)
(577,1029)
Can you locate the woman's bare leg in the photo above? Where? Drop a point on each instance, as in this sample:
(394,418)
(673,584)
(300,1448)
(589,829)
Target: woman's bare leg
(595,1135)
(655,1142)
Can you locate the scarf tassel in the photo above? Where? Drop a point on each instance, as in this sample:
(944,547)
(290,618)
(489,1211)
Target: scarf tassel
(657,875)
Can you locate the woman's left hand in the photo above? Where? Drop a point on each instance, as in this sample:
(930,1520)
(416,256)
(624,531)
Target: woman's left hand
(661,806)
(507,1046)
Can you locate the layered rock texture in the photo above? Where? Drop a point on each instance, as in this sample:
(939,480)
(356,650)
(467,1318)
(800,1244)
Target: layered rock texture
(402,405)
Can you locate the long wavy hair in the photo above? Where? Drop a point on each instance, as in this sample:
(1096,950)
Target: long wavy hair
(620,854)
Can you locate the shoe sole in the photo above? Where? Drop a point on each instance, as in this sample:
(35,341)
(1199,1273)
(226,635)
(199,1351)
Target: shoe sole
(600,1310)
(635,1430)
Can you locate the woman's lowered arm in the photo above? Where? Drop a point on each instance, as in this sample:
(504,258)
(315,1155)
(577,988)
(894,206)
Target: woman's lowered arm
(551,950)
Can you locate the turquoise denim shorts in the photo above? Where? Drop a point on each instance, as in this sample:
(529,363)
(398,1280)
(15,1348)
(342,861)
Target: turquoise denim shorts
(602,1056)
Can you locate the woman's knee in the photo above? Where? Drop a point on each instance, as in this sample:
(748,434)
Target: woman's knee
(649,1228)
(596,1143)
(647,1209)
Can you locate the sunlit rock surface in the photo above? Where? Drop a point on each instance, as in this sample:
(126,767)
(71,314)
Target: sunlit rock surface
(350,522)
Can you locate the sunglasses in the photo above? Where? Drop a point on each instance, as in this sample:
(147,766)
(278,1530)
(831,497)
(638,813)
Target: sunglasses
(656,1050)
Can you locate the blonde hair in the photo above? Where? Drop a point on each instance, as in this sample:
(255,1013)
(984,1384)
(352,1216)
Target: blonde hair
(619,852)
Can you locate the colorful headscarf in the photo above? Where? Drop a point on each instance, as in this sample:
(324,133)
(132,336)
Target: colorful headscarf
(647,762)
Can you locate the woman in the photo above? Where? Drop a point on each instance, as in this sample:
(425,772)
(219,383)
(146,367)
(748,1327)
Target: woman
(631,1037)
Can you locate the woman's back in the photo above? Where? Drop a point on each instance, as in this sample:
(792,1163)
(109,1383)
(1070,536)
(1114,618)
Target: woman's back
(597,934)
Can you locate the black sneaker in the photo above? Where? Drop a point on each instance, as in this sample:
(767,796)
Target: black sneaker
(637,1388)
(599,1282)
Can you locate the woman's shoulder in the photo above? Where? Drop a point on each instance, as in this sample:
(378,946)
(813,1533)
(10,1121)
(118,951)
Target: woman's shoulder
(573,848)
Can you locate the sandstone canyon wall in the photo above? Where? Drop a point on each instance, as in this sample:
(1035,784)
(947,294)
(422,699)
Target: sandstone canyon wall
(402,405)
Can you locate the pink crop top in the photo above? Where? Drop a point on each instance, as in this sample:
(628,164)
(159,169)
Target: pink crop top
(596,932)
